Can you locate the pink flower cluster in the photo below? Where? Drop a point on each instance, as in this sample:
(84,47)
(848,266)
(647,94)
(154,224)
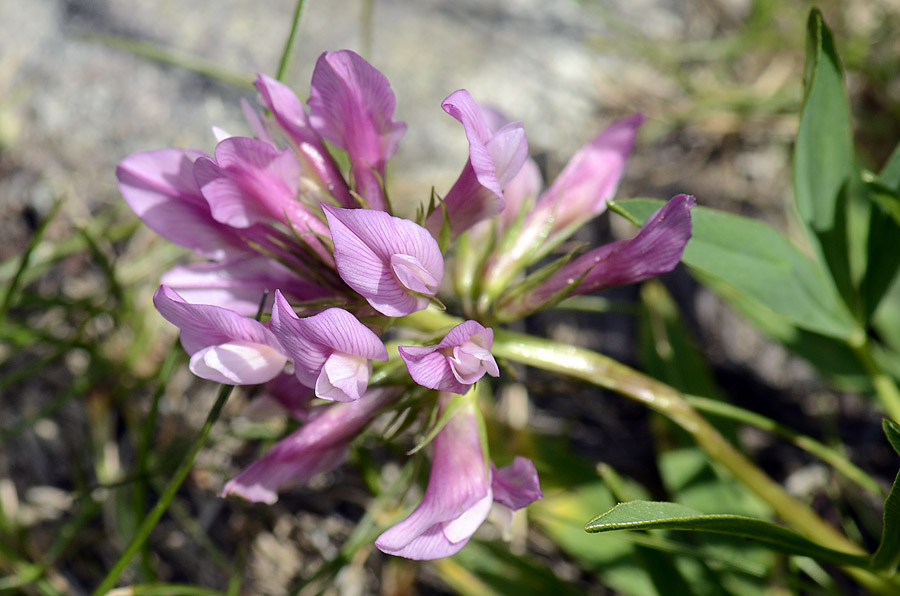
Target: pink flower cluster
(305,268)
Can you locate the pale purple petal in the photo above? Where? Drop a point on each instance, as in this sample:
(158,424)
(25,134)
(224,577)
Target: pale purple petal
(239,284)
(256,125)
(238,363)
(458,361)
(344,377)
(388,260)
(495,157)
(318,446)
(330,351)
(521,192)
(159,187)
(204,325)
(454,502)
(224,346)
(590,178)
(351,104)
(291,116)
(656,249)
(430,368)
(516,486)
(252,182)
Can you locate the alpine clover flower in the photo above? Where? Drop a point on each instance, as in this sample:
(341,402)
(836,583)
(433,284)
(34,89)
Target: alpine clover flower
(455,364)
(303,268)
(460,492)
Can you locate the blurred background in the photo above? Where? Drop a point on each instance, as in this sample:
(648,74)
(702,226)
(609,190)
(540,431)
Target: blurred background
(85,83)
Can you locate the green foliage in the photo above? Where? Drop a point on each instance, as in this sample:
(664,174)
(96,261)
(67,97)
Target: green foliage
(640,515)
(887,557)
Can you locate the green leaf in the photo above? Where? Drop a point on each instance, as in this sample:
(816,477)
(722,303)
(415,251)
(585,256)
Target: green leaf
(887,557)
(754,261)
(649,515)
(883,257)
(823,152)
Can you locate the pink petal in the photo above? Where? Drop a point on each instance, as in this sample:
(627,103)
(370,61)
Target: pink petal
(516,486)
(521,191)
(656,249)
(290,115)
(454,502)
(203,325)
(430,369)
(238,363)
(344,377)
(591,177)
(369,248)
(334,339)
(159,187)
(252,182)
(461,359)
(351,104)
(494,159)
(317,446)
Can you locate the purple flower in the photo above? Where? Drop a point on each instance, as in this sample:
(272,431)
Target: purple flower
(332,351)
(459,493)
(318,446)
(495,156)
(577,195)
(224,346)
(393,263)
(351,104)
(455,364)
(160,188)
(291,117)
(656,249)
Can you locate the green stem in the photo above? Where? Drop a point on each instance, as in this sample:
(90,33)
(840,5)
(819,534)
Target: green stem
(837,461)
(143,452)
(290,44)
(166,498)
(885,387)
(596,369)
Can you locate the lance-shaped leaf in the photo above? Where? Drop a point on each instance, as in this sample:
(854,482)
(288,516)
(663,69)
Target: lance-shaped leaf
(393,263)
(351,104)
(887,557)
(455,364)
(318,446)
(649,515)
(224,346)
(291,117)
(495,157)
(332,351)
(159,187)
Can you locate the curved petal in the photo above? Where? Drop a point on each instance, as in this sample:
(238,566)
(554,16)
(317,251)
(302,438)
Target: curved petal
(291,116)
(319,445)
(454,502)
(159,187)
(344,377)
(238,363)
(205,325)
(495,157)
(351,104)
(516,486)
(369,245)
